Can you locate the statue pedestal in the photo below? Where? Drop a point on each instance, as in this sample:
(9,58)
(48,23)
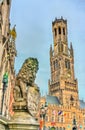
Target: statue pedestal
(20,121)
(23,121)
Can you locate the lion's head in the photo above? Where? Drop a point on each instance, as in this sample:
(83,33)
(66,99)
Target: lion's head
(28,71)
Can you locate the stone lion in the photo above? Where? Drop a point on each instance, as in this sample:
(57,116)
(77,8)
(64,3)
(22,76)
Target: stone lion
(25,79)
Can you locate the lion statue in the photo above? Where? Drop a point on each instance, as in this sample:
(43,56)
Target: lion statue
(25,89)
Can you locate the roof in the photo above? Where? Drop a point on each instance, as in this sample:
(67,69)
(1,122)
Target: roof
(82,104)
(52,100)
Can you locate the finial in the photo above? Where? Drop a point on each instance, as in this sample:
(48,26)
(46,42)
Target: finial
(55,18)
(71,45)
(13,32)
(71,49)
(61,17)
(50,48)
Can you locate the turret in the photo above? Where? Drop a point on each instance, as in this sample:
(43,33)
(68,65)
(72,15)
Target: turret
(51,52)
(71,50)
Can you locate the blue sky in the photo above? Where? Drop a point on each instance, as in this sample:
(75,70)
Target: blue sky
(33,19)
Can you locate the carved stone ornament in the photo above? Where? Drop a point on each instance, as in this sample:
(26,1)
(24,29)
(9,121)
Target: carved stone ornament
(33,97)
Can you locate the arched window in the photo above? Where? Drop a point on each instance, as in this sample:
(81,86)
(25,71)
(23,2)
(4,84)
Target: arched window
(67,64)
(59,30)
(74,121)
(63,31)
(56,64)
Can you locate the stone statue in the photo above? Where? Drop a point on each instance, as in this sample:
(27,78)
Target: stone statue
(26,92)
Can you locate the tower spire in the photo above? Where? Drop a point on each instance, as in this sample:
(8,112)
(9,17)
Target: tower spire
(51,52)
(71,50)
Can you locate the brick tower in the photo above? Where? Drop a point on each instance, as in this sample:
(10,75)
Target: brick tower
(62,83)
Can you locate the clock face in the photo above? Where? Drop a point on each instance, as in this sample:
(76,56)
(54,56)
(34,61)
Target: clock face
(68,74)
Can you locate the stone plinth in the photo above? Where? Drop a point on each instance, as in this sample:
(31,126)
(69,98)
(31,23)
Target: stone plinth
(22,126)
(20,121)
(23,121)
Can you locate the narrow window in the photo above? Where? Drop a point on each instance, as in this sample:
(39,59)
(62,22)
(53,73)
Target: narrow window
(59,30)
(67,64)
(56,64)
(74,121)
(63,31)
(55,31)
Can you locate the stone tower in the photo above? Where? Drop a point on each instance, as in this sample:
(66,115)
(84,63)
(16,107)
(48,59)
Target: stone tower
(7,57)
(62,83)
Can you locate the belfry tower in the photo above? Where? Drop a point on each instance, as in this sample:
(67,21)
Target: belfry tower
(62,83)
